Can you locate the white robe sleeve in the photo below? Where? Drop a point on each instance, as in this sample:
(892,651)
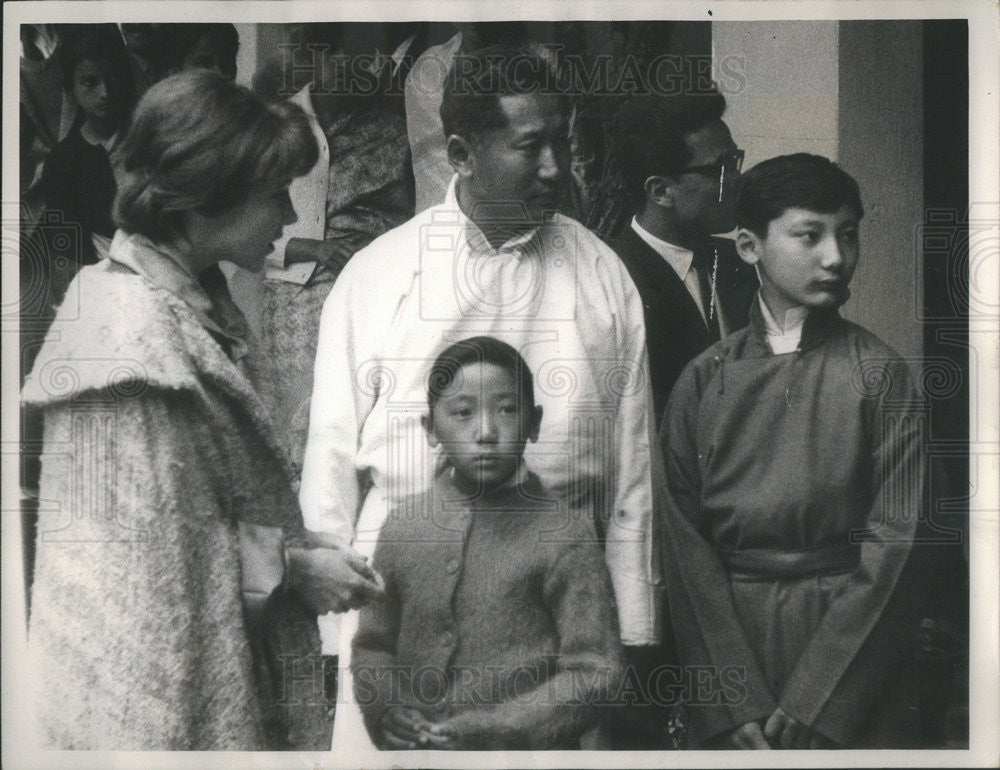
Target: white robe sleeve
(632,545)
(351,324)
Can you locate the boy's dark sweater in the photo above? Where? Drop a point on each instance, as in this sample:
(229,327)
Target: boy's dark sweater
(498,617)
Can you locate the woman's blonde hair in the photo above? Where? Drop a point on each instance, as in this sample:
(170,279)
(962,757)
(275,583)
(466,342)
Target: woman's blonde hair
(199,142)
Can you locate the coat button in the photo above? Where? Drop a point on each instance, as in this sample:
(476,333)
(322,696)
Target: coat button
(448,638)
(452,566)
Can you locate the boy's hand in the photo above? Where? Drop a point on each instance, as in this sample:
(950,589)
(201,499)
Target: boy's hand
(748,736)
(462,731)
(404,727)
(787,732)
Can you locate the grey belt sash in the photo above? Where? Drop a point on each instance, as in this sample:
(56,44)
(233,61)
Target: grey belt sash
(769,564)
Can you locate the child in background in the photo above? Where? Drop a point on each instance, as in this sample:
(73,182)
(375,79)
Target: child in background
(497,629)
(794,478)
(79,178)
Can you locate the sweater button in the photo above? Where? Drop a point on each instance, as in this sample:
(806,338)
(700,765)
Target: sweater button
(448,638)
(452,567)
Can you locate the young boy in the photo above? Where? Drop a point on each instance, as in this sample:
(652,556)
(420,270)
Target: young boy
(794,481)
(497,629)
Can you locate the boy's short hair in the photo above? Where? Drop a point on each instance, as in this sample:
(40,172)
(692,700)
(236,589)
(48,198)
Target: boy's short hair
(479,350)
(800,181)
(649,135)
(477,80)
(199,142)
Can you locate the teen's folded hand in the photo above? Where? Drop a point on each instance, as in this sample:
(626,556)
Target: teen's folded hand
(786,732)
(748,736)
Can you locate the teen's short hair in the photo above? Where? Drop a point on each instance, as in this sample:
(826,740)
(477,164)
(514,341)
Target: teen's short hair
(649,135)
(801,181)
(479,350)
(477,79)
(199,142)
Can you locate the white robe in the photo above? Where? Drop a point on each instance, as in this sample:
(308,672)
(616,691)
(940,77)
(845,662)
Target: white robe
(563,299)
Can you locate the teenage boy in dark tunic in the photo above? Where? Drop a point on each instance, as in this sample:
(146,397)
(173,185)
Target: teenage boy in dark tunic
(681,166)
(497,628)
(795,474)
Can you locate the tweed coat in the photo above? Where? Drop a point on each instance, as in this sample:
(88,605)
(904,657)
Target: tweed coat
(156,451)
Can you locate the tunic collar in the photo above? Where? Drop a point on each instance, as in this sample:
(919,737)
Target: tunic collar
(783,337)
(474,237)
(817,327)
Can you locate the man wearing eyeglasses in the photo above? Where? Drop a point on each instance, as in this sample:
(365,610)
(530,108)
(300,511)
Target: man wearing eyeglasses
(680,166)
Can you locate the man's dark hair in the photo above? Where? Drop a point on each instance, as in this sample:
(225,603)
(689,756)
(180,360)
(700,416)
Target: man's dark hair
(800,181)
(477,79)
(223,38)
(649,135)
(479,350)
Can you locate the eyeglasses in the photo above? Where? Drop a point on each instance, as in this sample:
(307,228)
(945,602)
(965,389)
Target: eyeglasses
(728,164)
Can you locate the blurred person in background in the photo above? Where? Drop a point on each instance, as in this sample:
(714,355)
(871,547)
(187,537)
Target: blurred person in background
(360,187)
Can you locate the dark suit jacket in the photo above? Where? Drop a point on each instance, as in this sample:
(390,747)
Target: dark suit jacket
(675,331)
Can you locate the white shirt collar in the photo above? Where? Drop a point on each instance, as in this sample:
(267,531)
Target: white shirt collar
(678,258)
(783,338)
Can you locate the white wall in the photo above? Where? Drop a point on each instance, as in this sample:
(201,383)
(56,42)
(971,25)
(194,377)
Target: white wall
(788,98)
(881,145)
(852,92)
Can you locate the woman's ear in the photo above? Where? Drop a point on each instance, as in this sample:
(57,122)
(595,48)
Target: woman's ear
(748,246)
(427,422)
(461,155)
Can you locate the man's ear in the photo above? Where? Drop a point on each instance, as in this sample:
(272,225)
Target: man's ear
(428,423)
(748,246)
(461,155)
(534,424)
(659,190)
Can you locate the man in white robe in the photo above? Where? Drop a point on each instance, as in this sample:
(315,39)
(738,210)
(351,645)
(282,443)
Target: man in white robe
(491,259)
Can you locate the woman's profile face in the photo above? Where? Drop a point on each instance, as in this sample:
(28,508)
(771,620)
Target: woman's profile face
(243,234)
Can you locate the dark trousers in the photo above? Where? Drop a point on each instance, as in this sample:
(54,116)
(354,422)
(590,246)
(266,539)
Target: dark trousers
(649,715)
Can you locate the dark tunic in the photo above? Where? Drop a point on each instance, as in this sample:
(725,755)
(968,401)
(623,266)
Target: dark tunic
(794,486)
(498,617)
